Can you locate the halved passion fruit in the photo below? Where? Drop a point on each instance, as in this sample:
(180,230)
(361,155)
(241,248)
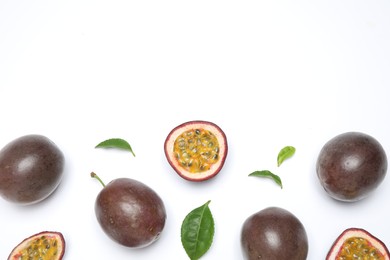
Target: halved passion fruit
(357,243)
(196,150)
(45,245)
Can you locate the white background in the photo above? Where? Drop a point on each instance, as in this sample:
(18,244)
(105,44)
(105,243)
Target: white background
(269,73)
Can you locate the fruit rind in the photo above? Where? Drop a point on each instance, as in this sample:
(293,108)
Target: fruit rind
(130,213)
(356,232)
(31,169)
(58,235)
(274,233)
(206,125)
(351,165)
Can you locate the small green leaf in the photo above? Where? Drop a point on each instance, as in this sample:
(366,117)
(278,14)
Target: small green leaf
(197,231)
(266,173)
(285,153)
(116,143)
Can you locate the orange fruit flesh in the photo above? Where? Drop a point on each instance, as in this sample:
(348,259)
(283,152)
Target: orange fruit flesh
(44,247)
(196,150)
(359,248)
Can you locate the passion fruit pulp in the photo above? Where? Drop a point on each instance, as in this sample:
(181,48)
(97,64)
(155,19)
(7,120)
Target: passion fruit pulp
(357,243)
(196,150)
(46,245)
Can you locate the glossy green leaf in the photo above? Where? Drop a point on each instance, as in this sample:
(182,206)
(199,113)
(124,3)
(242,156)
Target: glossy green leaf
(268,174)
(285,153)
(116,143)
(197,231)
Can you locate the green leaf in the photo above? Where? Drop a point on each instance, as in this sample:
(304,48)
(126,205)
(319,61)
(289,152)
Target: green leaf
(268,174)
(116,143)
(197,231)
(285,153)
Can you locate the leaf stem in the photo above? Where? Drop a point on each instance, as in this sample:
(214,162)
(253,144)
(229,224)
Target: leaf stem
(94,175)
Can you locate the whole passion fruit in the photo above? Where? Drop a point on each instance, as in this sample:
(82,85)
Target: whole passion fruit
(196,150)
(351,165)
(46,245)
(274,234)
(31,168)
(357,243)
(130,212)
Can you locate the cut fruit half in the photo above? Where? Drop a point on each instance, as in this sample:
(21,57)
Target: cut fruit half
(196,150)
(46,245)
(357,243)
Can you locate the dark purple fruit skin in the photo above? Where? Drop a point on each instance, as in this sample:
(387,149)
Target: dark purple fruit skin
(130,212)
(274,234)
(31,168)
(351,165)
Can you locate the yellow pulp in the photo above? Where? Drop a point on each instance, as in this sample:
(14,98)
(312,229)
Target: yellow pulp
(357,248)
(196,150)
(42,248)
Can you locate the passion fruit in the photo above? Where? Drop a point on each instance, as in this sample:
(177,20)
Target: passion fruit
(130,212)
(351,166)
(31,168)
(46,245)
(196,150)
(274,234)
(357,243)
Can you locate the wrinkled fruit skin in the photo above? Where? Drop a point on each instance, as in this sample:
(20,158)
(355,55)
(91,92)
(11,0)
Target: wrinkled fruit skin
(130,213)
(350,166)
(371,248)
(45,245)
(274,234)
(201,150)
(31,168)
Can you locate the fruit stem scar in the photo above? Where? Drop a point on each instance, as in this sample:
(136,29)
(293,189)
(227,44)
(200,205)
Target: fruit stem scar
(94,175)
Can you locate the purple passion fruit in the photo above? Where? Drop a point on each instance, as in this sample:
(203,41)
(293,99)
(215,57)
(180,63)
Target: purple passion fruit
(45,245)
(31,168)
(357,243)
(351,165)
(196,150)
(274,234)
(130,213)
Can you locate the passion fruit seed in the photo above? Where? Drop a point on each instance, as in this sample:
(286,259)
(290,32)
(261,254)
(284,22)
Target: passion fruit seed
(44,247)
(196,150)
(359,248)
(357,243)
